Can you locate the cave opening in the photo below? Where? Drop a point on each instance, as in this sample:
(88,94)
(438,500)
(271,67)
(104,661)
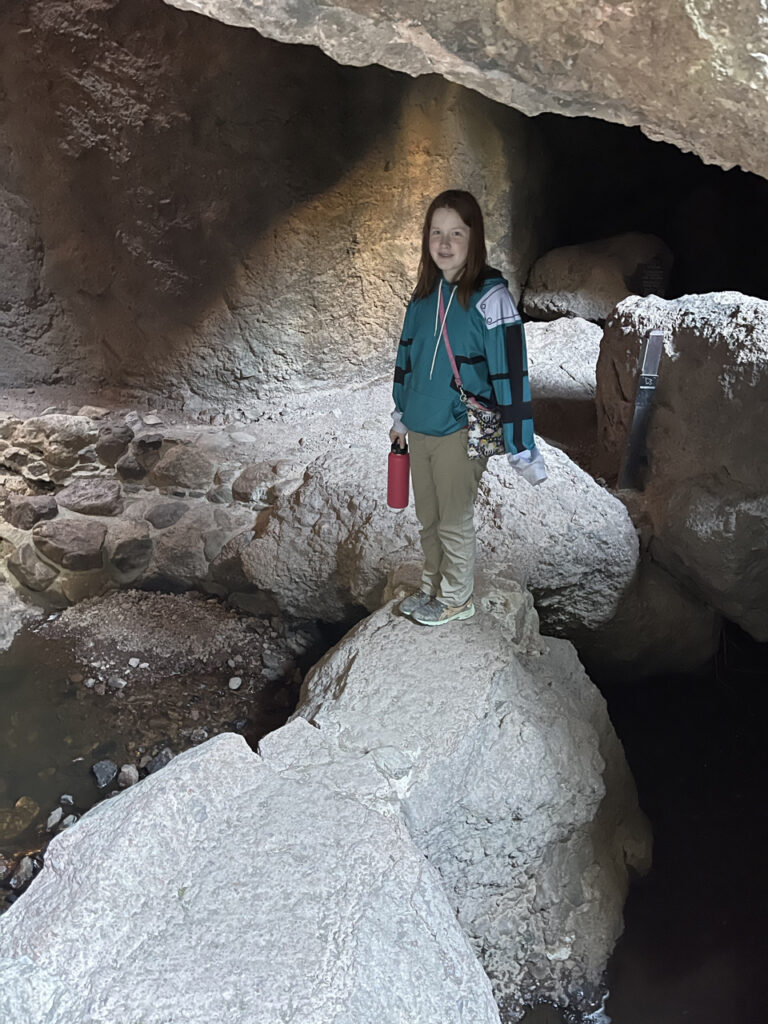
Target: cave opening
(607,179)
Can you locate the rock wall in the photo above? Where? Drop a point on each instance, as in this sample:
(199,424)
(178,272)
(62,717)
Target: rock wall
(690,72)
(221,215)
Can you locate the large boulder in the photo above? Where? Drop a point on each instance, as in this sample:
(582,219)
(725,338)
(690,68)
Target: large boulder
(564,57)
(331,543)
(510,778)
(253,897)
(588,280)
(706,494)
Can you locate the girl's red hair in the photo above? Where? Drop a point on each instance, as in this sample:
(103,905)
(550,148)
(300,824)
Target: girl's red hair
(467,207)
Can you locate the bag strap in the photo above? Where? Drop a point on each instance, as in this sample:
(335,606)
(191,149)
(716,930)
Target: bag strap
(449,350)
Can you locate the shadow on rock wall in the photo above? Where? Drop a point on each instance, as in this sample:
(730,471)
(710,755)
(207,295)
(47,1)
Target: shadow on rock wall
(225,215)
(156,146)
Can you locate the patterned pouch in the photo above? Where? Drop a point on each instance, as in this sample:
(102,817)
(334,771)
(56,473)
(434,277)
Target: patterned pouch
(485,436)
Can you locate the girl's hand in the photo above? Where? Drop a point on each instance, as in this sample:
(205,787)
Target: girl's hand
(395,436)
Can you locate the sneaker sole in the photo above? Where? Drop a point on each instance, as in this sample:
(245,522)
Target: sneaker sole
(466,614)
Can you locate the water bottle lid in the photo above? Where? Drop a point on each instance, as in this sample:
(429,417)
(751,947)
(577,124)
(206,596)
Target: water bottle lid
(397,450)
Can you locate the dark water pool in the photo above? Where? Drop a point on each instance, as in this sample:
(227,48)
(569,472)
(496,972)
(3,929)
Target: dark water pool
(695,947)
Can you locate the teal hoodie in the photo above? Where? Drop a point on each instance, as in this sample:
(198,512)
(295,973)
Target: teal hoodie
(488,343)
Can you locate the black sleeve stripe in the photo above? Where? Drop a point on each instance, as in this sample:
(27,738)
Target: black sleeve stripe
(469,360)
(399,375)
(405,342)
(503,376)
(513,347)
(513,413)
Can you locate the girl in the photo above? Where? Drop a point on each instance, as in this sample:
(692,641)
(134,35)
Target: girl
(457,294)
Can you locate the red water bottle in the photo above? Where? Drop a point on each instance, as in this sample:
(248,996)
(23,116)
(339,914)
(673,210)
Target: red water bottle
(398,474)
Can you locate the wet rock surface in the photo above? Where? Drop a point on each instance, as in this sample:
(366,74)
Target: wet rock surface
(134,679)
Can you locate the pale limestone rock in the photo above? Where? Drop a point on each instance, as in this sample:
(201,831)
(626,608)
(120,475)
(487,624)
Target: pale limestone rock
(588,280)
(14,613)
(510,778)
(562,360)
(292,899)
(332,543)
(69,432)
(706,495)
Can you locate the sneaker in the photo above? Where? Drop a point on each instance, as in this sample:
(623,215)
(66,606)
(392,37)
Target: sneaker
(411,604)
(435,613)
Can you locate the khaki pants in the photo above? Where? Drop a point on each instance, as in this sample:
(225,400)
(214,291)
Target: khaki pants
(445,484)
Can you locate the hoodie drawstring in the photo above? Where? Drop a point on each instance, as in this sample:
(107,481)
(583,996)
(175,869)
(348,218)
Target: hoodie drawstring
(442,325)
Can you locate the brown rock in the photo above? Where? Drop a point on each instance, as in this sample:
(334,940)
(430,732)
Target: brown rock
(113,442)
(24,510)
(71,543)
(95,497)
(128,546)
(183,466)
(30,570)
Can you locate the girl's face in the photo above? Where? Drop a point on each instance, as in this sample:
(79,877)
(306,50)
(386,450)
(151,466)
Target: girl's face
(448,242)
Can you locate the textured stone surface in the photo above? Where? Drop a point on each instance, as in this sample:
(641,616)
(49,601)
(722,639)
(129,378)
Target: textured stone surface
(30,570)
(562,360)
(588,280)
(292,900)
(224,216)
(706,496)
(511,781)
(332,542)
(71,543)
(96,497)
(24,510)
(183,466)
(113,442)
(688,72)
(58,430)
(13,614)
(128,547)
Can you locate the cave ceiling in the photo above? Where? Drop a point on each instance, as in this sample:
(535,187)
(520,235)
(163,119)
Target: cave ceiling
(693,73)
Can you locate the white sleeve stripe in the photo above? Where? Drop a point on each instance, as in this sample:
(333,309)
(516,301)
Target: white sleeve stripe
(496,307)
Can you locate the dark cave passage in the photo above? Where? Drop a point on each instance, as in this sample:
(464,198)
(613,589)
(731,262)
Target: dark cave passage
(606,179)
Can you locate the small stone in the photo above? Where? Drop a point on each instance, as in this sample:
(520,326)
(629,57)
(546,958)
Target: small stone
(235,683)
(76,677)
(69,821)
(231,662)
(113,443)
(90,682)
(152,419)
(105,772)
(54,818)
(160,760)
(128,776)
(100,688)
(134,662)
(67,798)
(198,735)
(6,867)
(144,664)
(116,683)
(95,412)
(23,873)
